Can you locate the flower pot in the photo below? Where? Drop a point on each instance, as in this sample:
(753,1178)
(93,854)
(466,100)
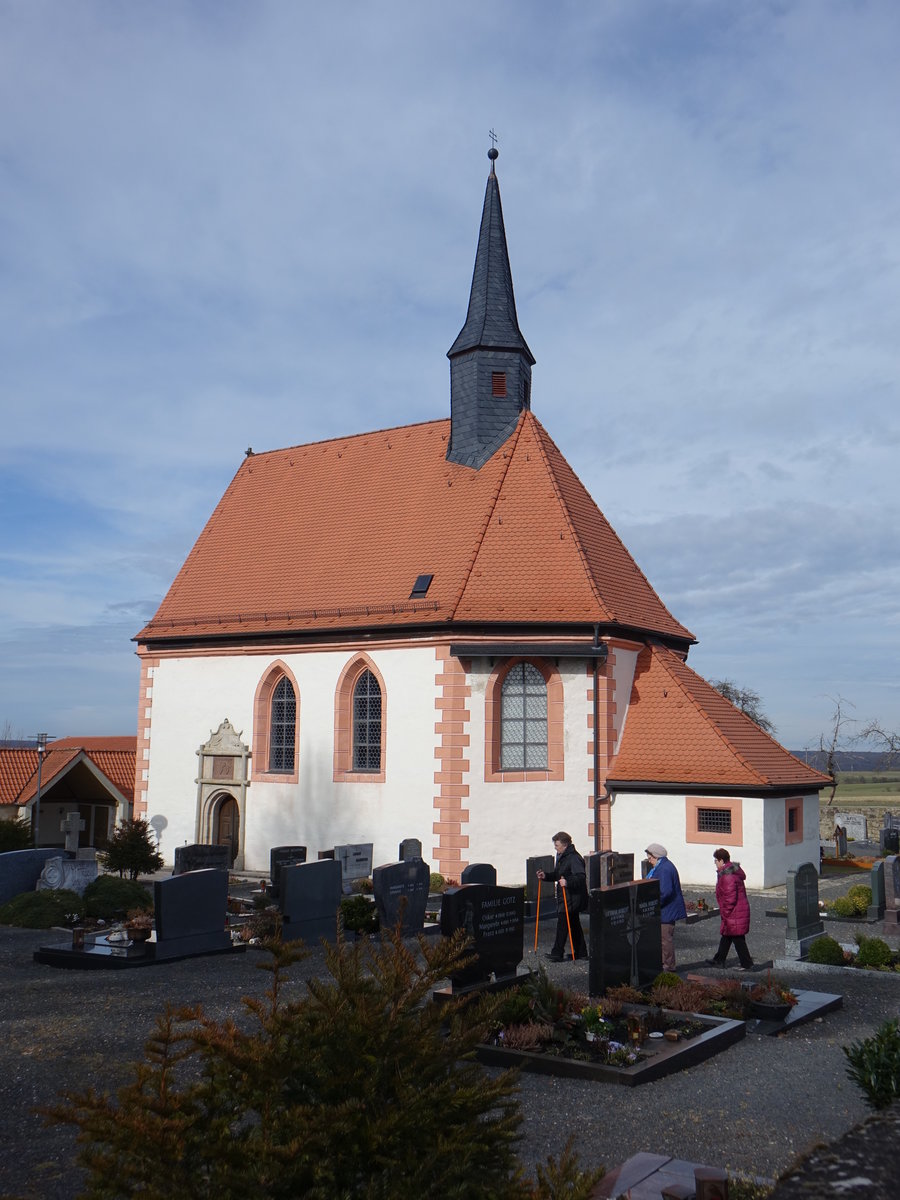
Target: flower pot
(769,1012)
(138,934)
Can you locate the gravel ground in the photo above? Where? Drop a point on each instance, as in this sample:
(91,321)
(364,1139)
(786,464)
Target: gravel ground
(752,1109)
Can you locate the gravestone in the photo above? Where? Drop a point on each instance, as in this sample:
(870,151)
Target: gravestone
(356,862)
(608,869)
(323,854)
(190,914)
(20,870)
(494,918)
(892,893)
(73,874)
(72,825)
(283,856)
(804,919)
(625,935)
(410,848)
(875,911)
(534,886)
(888,838)
(309,898)
(855,824)
(402,885)
(479,873)
(201,857)
(840,841)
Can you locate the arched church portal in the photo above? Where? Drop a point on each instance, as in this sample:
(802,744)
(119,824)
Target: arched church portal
(227,823)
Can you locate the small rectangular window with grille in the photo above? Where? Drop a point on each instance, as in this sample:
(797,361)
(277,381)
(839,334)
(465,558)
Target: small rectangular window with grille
(498,383)
(792,820)
(714,820)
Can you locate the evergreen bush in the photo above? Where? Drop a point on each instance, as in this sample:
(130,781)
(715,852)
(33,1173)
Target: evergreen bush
(359,1088)
(15,834)
(873,952)
(861,896)
(41,910)
(842,906)
(109,897)
(827,951)
(132,850)
(875,1065)
(359,914)
(436,882)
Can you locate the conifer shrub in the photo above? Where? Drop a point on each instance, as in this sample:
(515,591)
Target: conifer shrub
(358,1087)
(436,882)
(860,896)
(873,952)
(109,898)
(359,914)
(15,834)
(875,1065)
(41,910)
(132,850)
(826,951)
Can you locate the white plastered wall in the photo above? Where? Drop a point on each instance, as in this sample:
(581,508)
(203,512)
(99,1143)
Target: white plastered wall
(510,822)
(641,818)
(192,696)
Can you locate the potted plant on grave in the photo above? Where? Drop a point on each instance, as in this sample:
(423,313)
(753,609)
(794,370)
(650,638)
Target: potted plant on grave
(772,1000)
(139,924)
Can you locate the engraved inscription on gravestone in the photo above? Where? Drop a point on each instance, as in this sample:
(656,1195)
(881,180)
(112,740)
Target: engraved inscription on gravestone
(625,935)
(402,888)
(494,918)
(280,857)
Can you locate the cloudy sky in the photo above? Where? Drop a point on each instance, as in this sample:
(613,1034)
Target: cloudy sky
(233,223)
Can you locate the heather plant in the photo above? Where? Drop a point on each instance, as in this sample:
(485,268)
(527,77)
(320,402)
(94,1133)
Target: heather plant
(361,1087)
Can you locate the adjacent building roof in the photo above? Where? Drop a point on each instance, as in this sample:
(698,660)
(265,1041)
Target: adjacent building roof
(680,732)
(333,535)
(112,758)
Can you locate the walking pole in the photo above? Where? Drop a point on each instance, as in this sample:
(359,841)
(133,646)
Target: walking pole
(568,922)
(537,915)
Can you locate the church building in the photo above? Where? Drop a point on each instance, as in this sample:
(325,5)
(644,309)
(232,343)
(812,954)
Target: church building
(433,632)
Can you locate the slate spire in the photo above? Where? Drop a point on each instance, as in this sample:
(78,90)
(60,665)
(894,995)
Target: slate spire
(490,362)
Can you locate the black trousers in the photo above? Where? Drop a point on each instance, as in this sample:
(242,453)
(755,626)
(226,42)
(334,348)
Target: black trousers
(561,945)
(740,944)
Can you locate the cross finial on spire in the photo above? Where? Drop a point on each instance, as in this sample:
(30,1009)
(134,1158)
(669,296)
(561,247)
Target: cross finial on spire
(493,153)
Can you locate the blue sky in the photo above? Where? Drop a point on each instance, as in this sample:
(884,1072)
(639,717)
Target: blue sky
(239,224)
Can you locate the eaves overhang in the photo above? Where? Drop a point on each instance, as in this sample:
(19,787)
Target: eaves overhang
(711,789)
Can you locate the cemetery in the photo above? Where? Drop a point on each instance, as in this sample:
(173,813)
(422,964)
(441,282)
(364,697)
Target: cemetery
(615,1019)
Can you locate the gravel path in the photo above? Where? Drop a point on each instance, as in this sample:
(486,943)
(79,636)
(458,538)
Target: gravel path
(752,1109)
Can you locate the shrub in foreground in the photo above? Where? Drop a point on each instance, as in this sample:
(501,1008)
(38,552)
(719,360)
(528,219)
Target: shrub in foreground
(362,1087)
(875,1065)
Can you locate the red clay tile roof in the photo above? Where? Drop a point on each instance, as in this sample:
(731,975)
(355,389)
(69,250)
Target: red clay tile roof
(114,757)
(332,535)
(680,730)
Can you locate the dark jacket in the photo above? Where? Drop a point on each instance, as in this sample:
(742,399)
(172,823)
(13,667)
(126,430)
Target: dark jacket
(671,901)
(731,897)
(570,866)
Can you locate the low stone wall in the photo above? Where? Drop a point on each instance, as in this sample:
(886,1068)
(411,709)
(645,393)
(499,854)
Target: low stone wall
(21,869)
(874,814)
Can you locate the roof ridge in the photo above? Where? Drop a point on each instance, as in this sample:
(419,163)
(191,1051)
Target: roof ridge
(348,437)
(541,434)
(492,505)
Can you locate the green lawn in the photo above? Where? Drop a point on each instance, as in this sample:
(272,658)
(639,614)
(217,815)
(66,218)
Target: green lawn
(868,787)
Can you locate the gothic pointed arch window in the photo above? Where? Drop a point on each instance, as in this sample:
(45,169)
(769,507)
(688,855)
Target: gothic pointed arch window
(523,728)
(360,711)
(276,726)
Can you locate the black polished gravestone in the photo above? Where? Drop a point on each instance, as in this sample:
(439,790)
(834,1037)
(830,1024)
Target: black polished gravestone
(479,873)
(535,887)
(875,911)
(309,898)
(401,894)
(804,918)
(190,913)
(283,856)
(494,918)
(892,893)
(625,936)
(199,857)
(410,848)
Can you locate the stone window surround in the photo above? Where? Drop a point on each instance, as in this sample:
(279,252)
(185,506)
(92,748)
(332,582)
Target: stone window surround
(555,769)
(342,771)
(693,834)
(262,713)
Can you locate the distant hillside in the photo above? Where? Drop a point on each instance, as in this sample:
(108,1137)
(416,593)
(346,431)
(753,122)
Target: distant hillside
(846,760)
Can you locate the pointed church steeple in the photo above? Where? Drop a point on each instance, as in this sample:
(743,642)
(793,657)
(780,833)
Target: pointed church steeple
(490,363)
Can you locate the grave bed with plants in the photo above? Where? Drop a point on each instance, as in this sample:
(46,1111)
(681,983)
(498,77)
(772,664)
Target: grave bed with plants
(870,954)
(627,1038)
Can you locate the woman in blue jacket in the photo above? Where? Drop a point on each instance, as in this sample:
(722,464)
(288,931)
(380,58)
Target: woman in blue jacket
(671,901)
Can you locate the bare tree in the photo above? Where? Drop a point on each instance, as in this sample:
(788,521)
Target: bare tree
(887,741)
(748,701)
(835,739)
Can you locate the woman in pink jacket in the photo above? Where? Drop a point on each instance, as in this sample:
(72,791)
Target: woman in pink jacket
(734,908)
